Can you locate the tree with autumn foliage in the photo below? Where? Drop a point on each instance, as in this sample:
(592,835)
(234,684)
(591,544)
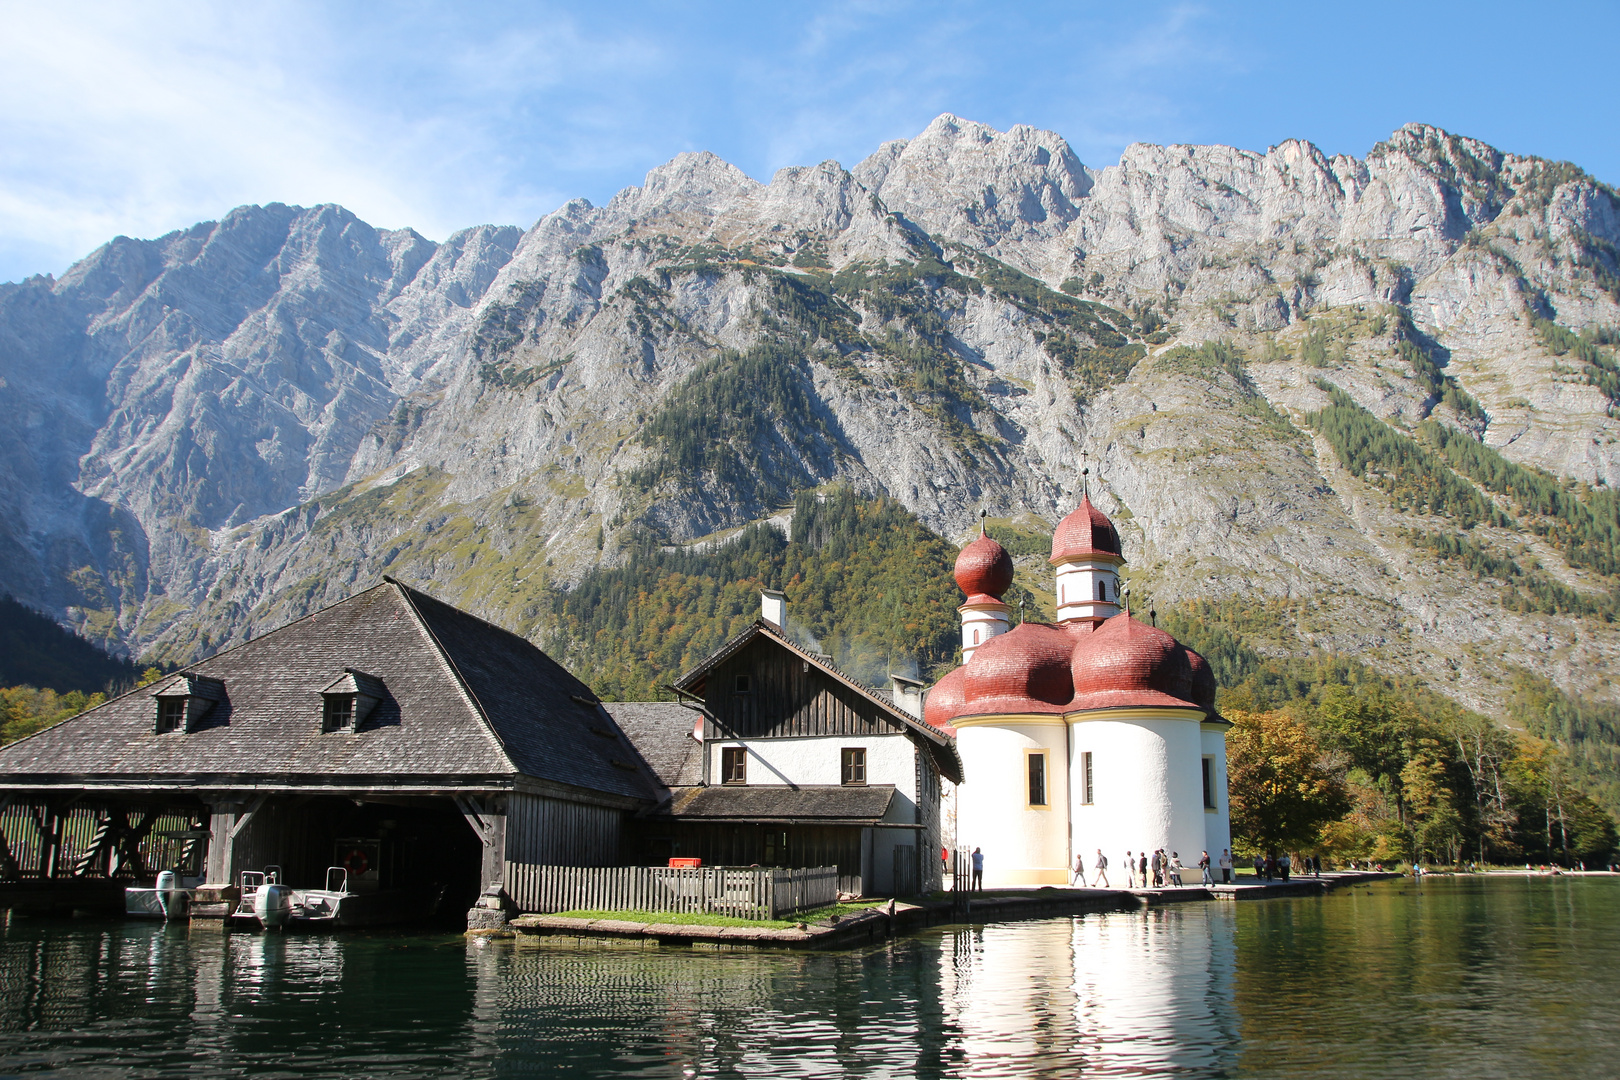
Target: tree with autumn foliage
(1281,786)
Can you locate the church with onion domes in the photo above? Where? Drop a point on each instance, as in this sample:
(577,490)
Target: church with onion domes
(1094,731)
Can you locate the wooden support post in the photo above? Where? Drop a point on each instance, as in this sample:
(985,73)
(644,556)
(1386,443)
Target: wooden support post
(487,819)
(225,823)
(49,829)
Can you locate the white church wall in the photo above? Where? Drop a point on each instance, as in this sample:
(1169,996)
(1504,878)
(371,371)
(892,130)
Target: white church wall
(1022,844)
(1217,821)
(1147,787)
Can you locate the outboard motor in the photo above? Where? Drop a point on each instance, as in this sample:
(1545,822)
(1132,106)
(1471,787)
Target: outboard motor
(170,897)
(272,904)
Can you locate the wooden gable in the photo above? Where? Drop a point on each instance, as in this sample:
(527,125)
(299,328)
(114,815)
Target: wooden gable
(764,690)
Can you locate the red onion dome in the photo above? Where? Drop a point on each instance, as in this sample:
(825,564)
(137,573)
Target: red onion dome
(1087,531)
(1128,663)
(984,569)
(944,702)
(1203,680)
(1025,670)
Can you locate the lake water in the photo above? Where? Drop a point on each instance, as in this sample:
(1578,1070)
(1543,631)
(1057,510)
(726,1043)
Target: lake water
(1508,977)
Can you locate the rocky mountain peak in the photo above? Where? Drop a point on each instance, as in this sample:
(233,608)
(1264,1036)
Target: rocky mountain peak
(234,423)
(968,182)
(698,182)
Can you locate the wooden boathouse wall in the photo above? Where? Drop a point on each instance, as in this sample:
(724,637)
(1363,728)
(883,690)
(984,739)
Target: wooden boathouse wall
(542,831)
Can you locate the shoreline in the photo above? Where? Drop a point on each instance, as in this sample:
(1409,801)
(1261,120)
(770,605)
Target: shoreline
(900,918)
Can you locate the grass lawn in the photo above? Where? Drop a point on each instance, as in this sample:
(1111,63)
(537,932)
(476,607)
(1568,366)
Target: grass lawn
(705,919)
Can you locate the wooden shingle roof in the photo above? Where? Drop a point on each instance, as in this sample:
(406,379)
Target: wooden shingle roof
(662,731)
(465,703)
(805,804)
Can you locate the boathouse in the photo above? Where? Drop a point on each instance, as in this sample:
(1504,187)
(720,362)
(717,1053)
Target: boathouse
(415,744)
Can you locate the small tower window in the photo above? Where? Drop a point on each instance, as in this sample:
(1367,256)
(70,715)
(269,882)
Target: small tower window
(1085,778)
(1102,591)
(975,637)
(1209,784)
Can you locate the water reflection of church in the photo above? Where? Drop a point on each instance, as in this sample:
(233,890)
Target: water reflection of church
(1140,993)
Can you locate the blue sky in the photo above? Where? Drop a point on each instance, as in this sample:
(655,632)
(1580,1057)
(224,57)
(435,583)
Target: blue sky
(141,118)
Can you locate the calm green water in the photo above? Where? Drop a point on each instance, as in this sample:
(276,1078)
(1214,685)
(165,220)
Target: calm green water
(1468,978)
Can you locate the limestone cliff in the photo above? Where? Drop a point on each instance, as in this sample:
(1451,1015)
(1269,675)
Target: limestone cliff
(222,428)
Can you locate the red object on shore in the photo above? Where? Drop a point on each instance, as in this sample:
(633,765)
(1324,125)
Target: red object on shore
(685,864)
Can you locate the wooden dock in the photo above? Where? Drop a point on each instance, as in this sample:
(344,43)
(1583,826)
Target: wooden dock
(879,923)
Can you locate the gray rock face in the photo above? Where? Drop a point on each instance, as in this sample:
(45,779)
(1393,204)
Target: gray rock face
(227,426)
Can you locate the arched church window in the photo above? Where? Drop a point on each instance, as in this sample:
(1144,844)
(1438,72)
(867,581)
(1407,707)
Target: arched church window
(975,637)
(1102,591)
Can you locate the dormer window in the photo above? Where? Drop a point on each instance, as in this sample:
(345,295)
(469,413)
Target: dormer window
(347,701)
(183,700)
(339,712)
(171,714)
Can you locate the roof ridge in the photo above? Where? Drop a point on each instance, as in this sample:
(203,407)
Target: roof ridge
(405,592)
(468,614)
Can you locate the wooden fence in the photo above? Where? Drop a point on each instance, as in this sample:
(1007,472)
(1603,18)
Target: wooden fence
(743,892)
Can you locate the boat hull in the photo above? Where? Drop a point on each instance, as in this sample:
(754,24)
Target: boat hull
(316,910)
(150,903)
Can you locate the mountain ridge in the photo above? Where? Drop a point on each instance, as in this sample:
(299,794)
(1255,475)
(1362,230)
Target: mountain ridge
(228,425)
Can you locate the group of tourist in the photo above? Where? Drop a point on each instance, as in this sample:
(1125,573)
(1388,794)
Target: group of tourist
(1278,867)
(1152,871)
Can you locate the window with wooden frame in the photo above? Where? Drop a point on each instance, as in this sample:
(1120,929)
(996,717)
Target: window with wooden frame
(854,764)
(1086,794)
(1036,763)
(338,712)
(742,684)
(171,715)
(733,765)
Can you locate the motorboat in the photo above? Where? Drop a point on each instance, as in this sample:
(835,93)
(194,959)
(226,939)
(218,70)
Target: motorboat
(168,898)
(268,902)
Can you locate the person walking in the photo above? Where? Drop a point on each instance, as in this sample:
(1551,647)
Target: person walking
(1259,867)
(1175,869)
(1102,871)
(978,869)
(1079,875)
(1158,867)
(1203,867)
(1144,868)
(1226,866)
(1283,865)
(1130,871)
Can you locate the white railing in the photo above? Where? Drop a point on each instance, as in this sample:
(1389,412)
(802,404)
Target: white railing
(742,892)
